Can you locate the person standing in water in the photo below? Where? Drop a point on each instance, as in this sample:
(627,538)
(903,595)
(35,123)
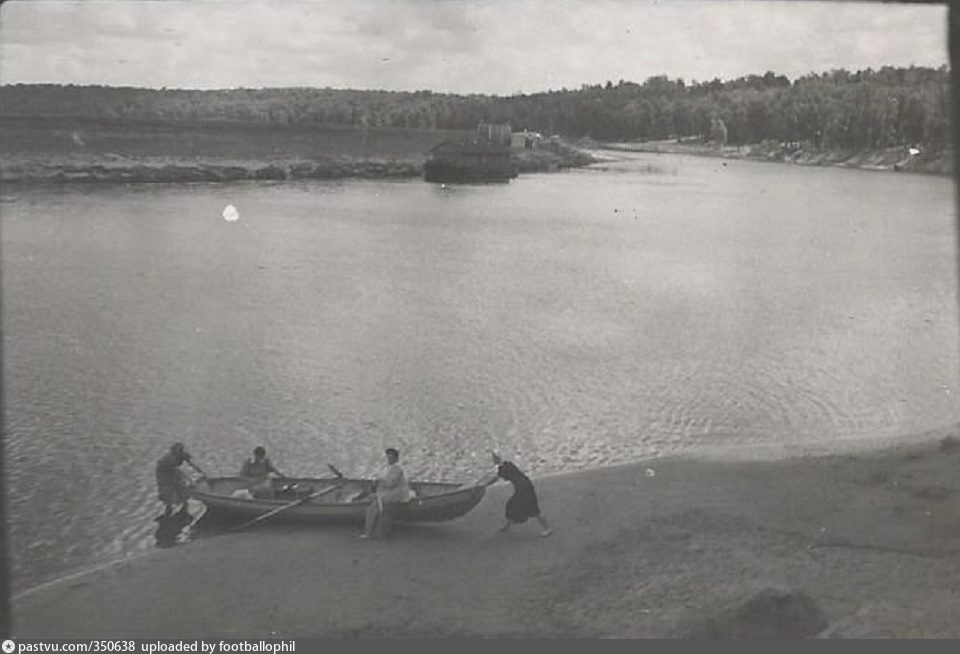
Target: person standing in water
(523,504)
(171,481)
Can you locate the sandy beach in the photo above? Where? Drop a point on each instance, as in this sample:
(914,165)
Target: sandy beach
(863,544)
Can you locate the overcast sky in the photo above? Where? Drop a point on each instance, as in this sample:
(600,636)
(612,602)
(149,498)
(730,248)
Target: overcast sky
(463,46)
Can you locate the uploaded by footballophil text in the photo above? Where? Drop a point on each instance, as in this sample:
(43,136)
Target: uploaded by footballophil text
(150,646)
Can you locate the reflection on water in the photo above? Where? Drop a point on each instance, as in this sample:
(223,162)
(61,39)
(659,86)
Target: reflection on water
(592,317)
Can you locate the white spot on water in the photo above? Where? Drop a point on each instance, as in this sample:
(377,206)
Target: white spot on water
(230,213)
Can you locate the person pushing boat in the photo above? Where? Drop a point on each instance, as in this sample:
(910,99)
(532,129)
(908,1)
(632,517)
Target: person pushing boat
(523,504)
(172,483)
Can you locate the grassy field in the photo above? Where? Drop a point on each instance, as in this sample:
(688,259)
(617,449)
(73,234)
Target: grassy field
(56,137)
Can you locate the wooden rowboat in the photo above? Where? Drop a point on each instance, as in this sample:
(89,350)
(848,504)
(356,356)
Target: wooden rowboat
(225,498)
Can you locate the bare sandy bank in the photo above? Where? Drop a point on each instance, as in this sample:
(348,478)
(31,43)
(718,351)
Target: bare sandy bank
(891,159)
(852,545)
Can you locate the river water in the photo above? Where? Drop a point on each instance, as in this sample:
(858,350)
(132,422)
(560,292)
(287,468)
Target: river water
(645,307)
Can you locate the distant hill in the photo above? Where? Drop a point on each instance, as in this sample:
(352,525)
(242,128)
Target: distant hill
(839,109)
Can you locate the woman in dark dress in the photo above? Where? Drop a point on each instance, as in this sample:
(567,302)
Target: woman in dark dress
(523,504)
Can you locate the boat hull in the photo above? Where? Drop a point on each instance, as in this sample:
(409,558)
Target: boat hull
(434,502)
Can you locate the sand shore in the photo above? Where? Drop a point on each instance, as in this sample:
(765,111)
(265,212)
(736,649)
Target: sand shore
(845,545)
(890,159)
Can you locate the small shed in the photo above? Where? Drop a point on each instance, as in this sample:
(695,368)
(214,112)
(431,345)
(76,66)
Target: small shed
(525,140)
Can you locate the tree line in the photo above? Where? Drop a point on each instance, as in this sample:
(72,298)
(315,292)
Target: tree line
(837,109)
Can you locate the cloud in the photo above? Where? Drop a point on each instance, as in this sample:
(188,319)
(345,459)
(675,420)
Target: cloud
(491,46)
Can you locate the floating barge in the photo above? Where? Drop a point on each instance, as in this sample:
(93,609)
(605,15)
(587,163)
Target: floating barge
(470,162)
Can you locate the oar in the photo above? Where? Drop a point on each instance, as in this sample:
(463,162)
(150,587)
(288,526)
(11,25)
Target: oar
(280,509)
(203,475)
(197,468)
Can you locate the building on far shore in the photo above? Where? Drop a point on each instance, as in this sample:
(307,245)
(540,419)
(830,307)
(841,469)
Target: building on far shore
(525,140)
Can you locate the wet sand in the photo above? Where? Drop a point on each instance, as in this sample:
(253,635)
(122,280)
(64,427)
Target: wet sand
(845,545)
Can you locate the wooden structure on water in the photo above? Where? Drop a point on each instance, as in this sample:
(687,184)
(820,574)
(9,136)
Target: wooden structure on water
(487,158)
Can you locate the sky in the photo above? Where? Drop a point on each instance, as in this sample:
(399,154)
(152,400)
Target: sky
(500,47)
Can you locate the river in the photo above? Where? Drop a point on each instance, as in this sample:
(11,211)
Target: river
(645,307)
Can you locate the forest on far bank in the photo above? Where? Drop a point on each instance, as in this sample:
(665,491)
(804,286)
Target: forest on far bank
(838,109)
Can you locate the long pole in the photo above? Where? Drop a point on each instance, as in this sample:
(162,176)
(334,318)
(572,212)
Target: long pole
(280,509)
(196,467)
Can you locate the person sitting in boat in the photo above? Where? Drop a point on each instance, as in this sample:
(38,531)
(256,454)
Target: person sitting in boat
(392,492)
(256,472)
(172,483)
(523,504)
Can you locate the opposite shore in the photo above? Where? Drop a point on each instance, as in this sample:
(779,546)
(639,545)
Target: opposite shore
(46,150)
(59,170)
(72,168)
(52,150)
(859,543)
